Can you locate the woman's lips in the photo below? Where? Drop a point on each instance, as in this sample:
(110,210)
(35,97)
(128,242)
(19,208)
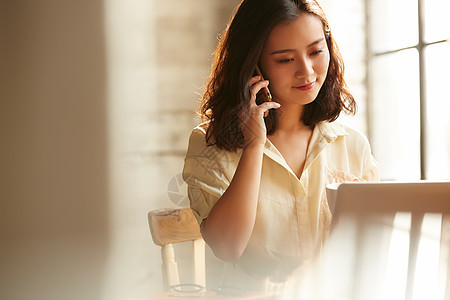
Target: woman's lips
(306,86)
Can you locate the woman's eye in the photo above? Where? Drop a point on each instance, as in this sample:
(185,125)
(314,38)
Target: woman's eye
(283,61)
(317,52)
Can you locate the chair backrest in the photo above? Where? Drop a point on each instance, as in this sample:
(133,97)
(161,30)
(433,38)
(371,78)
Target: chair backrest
(171,226)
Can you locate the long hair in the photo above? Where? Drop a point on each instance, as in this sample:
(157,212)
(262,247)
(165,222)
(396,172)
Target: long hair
(225,103)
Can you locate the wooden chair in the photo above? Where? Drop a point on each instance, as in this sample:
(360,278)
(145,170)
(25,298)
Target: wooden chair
(171,226)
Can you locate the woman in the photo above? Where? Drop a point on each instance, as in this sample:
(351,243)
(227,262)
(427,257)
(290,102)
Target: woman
(257,184)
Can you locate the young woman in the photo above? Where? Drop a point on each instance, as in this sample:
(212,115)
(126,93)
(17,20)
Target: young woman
(257,184)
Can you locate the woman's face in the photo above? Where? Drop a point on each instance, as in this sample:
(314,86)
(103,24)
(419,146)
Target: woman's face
(295,60)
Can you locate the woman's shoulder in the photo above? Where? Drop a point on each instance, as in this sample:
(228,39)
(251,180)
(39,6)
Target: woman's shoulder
(336,129)
(355,133)
(201,153)
(197,138)
(199,132)
(199,145)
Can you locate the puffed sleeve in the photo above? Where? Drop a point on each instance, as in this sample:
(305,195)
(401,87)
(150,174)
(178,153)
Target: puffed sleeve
(371,170)
(363,163)
(204,173)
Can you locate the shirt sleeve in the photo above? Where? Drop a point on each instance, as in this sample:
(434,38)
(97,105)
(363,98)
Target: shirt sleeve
(371,170)
(363,163)
(204,174)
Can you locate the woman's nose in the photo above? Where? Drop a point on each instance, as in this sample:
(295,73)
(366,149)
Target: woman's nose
(304,68)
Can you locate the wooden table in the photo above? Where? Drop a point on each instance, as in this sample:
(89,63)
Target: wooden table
(207,296)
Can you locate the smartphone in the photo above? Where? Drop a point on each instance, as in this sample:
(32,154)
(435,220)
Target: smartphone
(265,91)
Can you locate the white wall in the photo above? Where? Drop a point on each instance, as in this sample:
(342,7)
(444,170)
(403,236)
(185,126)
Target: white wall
(158,55)
(97,103)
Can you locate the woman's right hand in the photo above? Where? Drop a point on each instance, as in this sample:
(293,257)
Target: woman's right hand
(254,129)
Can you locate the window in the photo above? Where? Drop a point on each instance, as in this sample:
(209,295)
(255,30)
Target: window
(408,97)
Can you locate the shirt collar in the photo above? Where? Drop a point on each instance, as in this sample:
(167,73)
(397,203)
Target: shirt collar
(330,131)
(324,133)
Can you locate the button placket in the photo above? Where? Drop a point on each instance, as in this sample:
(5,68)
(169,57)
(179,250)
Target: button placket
(305,238)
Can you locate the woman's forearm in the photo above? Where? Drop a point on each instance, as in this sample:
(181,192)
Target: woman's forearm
(230,222)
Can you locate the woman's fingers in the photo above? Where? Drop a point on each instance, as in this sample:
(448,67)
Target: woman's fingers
(256,87)
(269,105)
(264,107)
(254,80)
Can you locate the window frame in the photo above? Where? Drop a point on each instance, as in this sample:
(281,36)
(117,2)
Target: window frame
(421,48)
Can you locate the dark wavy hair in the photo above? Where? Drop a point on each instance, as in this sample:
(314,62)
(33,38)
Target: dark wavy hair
(225,102)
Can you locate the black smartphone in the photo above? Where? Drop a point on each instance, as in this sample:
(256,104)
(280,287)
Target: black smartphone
(265,89)
(267,96)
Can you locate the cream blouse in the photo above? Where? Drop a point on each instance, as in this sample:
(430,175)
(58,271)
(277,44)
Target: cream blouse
(292,216)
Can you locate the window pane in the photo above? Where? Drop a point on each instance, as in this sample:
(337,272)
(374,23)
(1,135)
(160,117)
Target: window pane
(437,22)
(394,24)
(396,125)
(438,99)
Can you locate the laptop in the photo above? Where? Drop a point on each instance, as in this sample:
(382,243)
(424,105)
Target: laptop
(418,196)
(372,254)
